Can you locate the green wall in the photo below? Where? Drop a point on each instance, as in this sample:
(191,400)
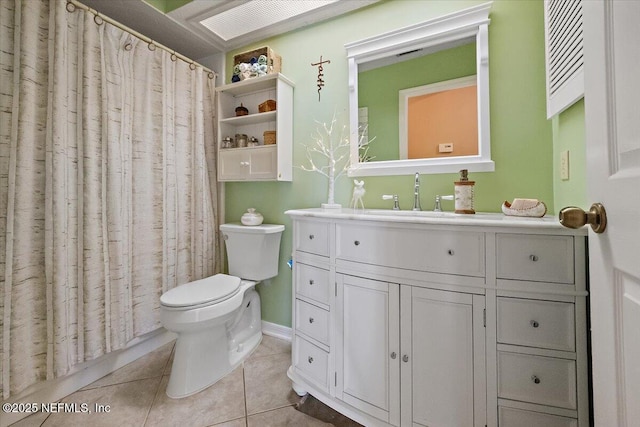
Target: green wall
(166,6)
(521,136)
(568,134)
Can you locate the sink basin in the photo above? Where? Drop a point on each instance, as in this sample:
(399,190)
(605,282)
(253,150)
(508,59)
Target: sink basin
(482,216)
(424,214)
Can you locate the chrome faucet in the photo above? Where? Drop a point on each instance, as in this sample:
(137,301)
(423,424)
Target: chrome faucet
(416,193)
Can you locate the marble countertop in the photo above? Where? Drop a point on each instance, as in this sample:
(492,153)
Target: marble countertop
(480,219)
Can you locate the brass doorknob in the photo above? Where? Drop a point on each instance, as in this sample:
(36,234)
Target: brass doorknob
(574,217)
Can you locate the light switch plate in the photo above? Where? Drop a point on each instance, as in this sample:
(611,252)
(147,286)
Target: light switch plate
(564,165)
(445,148)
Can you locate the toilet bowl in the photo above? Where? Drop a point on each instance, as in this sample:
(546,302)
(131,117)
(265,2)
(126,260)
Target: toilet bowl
(217,319)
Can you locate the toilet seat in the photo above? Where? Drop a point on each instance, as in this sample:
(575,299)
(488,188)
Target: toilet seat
(207,291)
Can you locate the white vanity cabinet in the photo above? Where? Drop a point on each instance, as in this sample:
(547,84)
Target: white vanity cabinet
(541,330)
(440,320)
(443,374)
(368,353)
(401,368)
(392,359)
(264,162)
(313,301)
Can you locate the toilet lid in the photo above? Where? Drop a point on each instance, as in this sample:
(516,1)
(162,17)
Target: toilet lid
(208,290)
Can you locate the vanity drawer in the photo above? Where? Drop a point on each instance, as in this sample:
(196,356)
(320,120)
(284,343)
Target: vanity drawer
(313,282)
(511,417)
(537,379)
(535,323)
(312,237)
(535,258)
(452,252)
(312,321)
(311,361)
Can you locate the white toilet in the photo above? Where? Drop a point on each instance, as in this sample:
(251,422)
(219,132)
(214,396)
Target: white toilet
(217,319)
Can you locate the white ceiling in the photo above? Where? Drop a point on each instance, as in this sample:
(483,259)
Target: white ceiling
(182,31)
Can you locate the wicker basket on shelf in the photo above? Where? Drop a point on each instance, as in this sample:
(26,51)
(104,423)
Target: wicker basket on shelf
(269,137)
(268,105)
(274,61)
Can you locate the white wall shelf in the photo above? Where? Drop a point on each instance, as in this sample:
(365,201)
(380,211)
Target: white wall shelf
(264,162)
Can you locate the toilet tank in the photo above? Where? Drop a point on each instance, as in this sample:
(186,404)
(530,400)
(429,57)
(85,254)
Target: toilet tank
(253,252)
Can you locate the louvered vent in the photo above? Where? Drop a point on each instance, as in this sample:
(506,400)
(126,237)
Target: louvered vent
(564,54)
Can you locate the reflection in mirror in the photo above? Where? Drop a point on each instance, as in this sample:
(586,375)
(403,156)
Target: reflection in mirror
(379,89)
(439,120)
(389,76)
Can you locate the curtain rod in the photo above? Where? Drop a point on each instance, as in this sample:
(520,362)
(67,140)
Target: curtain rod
(98,18)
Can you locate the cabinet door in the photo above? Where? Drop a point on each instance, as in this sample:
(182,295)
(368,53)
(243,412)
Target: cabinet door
(367,351)
(262,163)
(241,164)
(232,165)
(443,358)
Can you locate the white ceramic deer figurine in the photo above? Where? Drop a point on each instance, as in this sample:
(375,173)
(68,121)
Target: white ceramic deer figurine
(358,194)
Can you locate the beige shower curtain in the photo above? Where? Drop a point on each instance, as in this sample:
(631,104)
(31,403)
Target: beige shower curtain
(107,187)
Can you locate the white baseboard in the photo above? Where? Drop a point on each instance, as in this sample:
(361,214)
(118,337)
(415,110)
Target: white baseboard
(86,373)
(277,331)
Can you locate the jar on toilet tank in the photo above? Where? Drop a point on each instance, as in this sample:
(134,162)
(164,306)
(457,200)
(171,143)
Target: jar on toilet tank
(251,217)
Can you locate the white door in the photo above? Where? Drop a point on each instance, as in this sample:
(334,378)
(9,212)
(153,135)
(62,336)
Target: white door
(368,353)
(443,358)
(612,118)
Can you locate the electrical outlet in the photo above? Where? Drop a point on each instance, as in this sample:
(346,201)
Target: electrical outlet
(445,148)
(564,165)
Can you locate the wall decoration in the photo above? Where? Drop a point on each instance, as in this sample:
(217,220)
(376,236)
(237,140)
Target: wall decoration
(320,81)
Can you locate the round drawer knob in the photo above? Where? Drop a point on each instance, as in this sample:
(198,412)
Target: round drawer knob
(405,358)
(311,320)
(534,323)
(311,282)
(533,258)
(450,252)
(357,242)
(535,379)
(311,236)
(393,355)
(310,359)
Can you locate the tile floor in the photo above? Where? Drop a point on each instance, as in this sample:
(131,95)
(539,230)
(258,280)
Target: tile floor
(255,394)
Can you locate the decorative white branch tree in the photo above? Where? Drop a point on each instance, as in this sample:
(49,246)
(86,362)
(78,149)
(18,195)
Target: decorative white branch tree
(332,150)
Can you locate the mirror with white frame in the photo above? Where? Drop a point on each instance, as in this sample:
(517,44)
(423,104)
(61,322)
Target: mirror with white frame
(382,112)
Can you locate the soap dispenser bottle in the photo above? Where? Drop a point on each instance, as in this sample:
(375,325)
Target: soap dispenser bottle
(464,194)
